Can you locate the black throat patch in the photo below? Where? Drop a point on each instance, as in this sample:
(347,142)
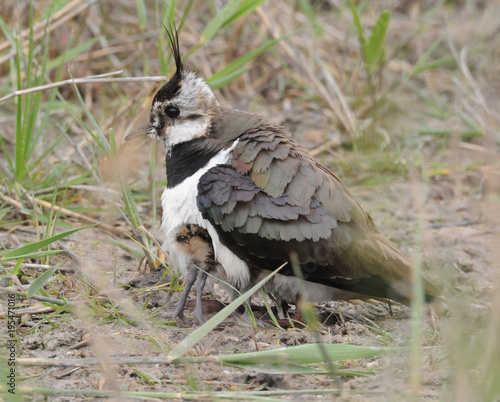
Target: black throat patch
(187,158)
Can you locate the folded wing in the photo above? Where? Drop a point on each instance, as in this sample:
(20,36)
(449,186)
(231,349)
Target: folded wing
(275,202)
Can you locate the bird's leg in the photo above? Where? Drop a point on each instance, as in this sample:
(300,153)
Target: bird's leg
(246,314)
(179,308)
(281,305)
(198,310)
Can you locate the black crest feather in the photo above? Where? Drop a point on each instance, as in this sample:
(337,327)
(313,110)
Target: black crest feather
(169,90)
(173,41)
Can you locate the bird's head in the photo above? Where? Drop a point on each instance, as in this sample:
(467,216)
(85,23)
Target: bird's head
(183,108)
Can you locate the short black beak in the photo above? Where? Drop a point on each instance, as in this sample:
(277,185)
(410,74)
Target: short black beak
(138,132)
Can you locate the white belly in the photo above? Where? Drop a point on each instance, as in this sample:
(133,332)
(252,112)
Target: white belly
(180,207)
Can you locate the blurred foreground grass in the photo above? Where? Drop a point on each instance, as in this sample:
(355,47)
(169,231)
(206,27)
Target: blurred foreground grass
(381,92)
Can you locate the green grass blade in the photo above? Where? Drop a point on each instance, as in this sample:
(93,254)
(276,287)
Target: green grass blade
(234,69)
(32,101)
(51,10)
(141,14)
(428,15)
(433,64)
(217,82)
(47,107)
(70,54)
(9,35)
(138,254)
(357,24)
(35,254)
(5,371)
(307,354)
(31,45)
(20,139)
(161,43)
(194,337)
(419,66)
(170,11)
(185,13)
(215,24)
(245,8)
(100,138)
(17,267)
(41,280)
(232,11)
(30,248)
(30,117)
(10,164)
(269,308)
(420,62)
(308,11)
(44,155)
(130,205)
(374,48)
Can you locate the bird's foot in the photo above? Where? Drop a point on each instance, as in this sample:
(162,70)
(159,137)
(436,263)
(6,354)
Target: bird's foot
(197,313)
(251,320)
(181,319)
(184,323)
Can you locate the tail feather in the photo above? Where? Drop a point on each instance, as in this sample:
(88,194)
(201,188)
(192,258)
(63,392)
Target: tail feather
(392,273)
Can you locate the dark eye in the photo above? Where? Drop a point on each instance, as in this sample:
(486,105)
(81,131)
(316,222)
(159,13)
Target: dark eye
(172,112)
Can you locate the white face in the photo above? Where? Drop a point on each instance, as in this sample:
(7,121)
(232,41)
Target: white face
(183,110)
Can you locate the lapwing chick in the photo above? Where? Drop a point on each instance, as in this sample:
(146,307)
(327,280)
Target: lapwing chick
(261,198)
(194,243)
